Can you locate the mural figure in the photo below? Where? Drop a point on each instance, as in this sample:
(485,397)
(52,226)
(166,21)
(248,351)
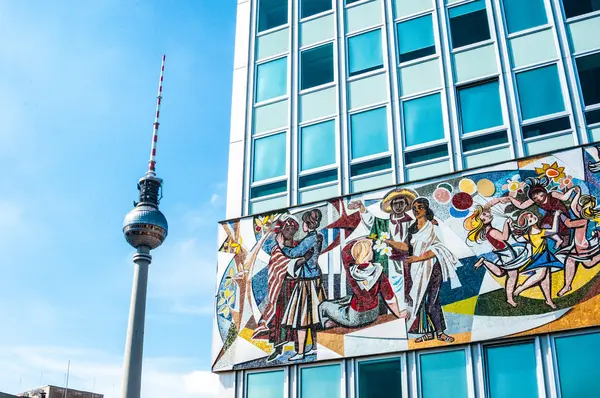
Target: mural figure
(550,202)
(540,265)
(430,263)
(280,285)
(396,204)
(302,311)
(509,258)
(370,287)
(581,251)
(457,260)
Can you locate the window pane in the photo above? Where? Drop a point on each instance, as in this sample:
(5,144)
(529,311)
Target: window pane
(269,157)
(480,106)
(369,133)
(422,155)
(443,375)
(521,15)
(511,371)
(269,189)
(318,178)
(271,79)
(546,127)
(316,66)
(469,24)
(371,166)
(317,145)
(364,52)
(265,385)
(577,358)
(540,92)
(479,142)
(592,117)
(313,7)
(380,379)
(271,14)
(423,120)
(574,8)
(320,382)
(415,38)
(589,78)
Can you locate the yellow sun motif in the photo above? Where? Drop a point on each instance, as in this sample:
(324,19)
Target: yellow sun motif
(553,172)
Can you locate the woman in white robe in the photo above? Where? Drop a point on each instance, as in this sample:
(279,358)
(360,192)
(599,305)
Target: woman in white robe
(430,263)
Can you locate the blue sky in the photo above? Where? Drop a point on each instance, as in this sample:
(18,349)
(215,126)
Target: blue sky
(78,83)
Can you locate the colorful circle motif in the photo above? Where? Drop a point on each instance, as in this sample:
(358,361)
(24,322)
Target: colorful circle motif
(462,201)
(447,186)
(466,185)
(486,188)
(458,213)
(442,195)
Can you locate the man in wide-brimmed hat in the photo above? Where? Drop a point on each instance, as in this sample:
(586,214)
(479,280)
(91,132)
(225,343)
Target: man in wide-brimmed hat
(396,203)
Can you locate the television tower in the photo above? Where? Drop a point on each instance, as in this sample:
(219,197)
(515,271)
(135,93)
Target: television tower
(145,228)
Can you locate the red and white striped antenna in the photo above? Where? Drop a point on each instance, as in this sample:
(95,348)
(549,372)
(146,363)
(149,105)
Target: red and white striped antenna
(152,163)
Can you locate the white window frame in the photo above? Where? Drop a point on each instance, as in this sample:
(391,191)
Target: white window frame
(418,15)
(286,381)
(271,30)
(401,357)
(340,363)
(376,156)
(373,72)
(442,350)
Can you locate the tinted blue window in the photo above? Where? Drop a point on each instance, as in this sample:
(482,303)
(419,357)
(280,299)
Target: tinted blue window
(380,379)
(271,14)
(265,385)
(313,7)
(423,120)
(316,66)
(468,24)
(428,153)
(364,52)
(271,79)
(521,15)
(480,107)
(444,375)
(369,133)
(588,68)
(320,382)
(317,145)
(539,92)
(415,38)
(511,371)
(577,358)
(269,157)
(574,8)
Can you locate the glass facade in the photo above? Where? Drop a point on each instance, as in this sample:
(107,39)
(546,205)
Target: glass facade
(546,365)
(389,91)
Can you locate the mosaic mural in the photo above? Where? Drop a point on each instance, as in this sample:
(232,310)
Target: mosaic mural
(505,251)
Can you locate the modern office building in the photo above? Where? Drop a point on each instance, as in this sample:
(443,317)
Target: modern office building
(353,119)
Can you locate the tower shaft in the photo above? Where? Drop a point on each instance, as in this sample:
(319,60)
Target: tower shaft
(134,346)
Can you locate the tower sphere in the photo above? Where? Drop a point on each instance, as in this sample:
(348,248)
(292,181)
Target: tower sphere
(145,225)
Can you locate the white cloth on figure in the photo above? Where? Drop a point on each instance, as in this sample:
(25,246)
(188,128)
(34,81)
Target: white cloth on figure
(423,241)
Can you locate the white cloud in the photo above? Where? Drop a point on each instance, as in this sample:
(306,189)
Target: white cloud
(21,369)
(183,269)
